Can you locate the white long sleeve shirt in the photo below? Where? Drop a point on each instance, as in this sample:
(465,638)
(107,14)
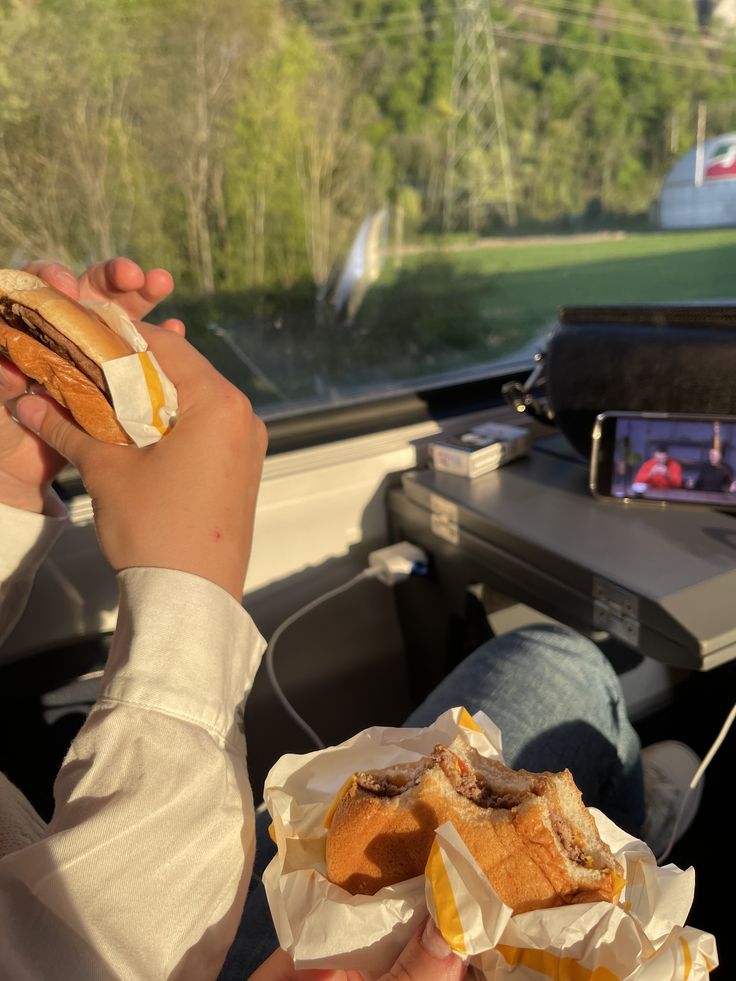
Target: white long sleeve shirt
(143,870)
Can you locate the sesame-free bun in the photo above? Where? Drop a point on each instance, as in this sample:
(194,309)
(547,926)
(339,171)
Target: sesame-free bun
(61,345)
(65,383)
(531,834)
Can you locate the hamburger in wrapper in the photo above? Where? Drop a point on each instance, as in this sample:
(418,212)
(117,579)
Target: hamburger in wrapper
(89,357)
(613,915)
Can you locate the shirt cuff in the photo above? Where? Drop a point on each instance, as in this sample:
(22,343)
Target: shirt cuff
(183,646)
(27,539)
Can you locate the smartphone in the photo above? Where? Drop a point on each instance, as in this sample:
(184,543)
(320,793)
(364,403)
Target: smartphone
(664,458)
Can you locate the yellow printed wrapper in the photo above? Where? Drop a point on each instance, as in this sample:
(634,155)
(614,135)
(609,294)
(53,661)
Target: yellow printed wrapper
(144,399)
(644,937)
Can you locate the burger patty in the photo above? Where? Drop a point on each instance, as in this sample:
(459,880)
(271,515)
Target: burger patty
(390,785)
(382,786)
(31,323)
(465,782)
(472,786)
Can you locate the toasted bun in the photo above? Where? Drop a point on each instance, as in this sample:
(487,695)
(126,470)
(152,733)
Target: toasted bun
(22,293)
(61,344)
(65,383)
(530,832)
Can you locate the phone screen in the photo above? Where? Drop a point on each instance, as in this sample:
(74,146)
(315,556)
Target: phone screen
(677,459)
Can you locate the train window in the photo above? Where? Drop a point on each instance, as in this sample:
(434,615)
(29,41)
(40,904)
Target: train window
(358,197)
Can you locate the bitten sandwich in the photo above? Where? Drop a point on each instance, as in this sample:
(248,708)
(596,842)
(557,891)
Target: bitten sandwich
(61,344)
(531,834)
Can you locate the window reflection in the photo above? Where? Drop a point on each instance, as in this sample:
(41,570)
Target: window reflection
(355,195)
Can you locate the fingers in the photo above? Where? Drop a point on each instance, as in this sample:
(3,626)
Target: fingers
(280,967)
(44,417)
(158,284)
(12,381)
(56,274)
(174,325)
(120,280)
(124,282)
(104,280)
(427,958)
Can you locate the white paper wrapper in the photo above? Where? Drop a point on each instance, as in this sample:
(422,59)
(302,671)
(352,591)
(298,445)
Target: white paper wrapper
(144,399)
(322,926)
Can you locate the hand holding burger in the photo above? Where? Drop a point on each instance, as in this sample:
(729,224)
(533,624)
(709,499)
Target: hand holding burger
(425,958)
(443,827)
(186,502)
(120,280)
(27,465)
(89,360)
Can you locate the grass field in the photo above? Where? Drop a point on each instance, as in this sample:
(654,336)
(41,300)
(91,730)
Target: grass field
(440,309)
(485,302)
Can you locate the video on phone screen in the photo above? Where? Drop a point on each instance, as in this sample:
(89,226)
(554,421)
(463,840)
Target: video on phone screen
(675,460)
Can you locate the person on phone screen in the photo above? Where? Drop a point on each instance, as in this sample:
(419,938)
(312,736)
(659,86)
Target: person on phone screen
(660,470)
(714,474)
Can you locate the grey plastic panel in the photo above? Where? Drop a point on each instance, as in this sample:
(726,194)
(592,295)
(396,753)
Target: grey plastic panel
(542,526)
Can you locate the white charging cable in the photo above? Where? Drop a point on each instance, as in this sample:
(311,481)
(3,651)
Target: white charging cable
(389,565)
(278,691)
(697,777)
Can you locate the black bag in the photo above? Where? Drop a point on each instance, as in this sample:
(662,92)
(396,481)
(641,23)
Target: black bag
(649,358)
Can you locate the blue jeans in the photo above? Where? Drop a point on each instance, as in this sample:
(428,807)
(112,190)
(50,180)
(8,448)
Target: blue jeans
(558,704)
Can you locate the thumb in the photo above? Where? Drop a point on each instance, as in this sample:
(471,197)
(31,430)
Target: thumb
(44,417)
(427,958)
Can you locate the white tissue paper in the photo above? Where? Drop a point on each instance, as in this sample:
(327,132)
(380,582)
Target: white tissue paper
(642,937)
(144,399)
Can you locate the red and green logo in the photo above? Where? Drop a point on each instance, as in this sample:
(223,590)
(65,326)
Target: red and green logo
(721,162)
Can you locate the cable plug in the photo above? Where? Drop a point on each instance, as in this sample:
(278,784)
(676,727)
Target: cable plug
(397,562)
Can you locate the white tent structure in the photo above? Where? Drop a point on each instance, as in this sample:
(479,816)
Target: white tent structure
(700,190)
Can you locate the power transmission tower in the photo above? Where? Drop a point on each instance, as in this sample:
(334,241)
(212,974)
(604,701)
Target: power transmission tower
(478,165)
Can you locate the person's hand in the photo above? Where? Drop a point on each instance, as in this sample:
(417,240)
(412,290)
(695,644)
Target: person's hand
(425,958)
(27,465)
(187,502)
(121,280)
